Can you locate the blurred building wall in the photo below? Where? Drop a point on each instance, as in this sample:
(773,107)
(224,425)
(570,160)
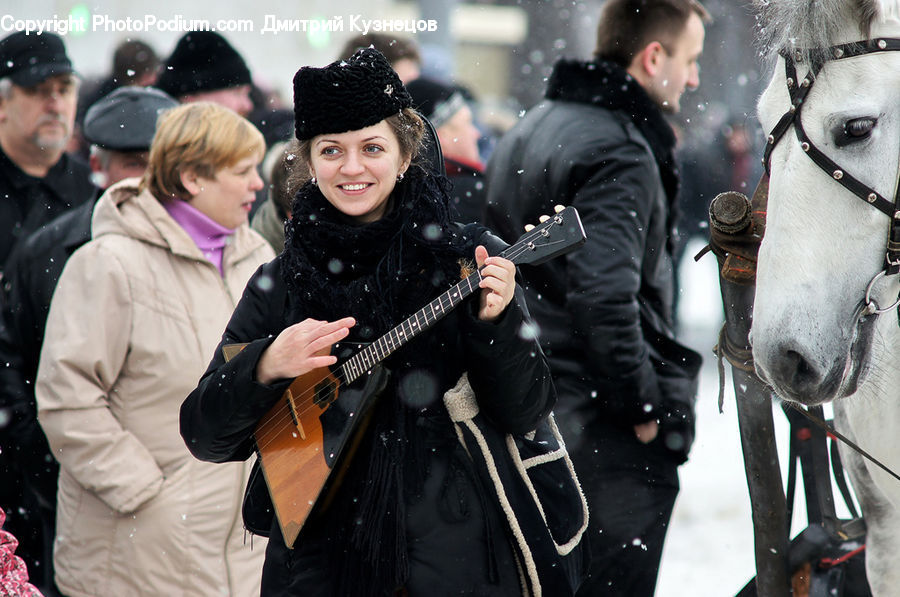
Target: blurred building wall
(502,50)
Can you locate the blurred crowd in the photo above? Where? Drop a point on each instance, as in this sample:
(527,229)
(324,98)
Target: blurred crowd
(90,384)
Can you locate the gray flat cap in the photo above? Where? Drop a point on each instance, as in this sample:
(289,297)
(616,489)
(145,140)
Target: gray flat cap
(125,120)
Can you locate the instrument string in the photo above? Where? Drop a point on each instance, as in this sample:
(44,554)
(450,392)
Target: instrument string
(305,401)
(283,418)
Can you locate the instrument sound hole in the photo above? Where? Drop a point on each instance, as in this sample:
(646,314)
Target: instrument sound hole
(326,393)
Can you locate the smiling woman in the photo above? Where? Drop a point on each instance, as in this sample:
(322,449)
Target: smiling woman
(369,243)
(357,170)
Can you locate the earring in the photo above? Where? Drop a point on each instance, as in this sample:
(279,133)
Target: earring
(400,177)
(313,180)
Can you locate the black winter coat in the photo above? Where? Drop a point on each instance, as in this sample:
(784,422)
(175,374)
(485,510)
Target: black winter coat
(599,143)
(468,195)
(453,534)
(28,283)
(27,203)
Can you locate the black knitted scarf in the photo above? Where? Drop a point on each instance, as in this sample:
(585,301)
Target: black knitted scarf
(379,273)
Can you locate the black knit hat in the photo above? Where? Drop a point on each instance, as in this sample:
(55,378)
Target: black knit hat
(202,61)
(29,59)
(125,120)
(437,101)
(347,95)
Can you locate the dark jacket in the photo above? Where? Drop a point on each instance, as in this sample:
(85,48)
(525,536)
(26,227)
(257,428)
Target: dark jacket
(27,203)
(218,419)
(468,195)
(30,278)
(599,143)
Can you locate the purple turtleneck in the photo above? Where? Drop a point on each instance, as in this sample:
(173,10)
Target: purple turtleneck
(208,235)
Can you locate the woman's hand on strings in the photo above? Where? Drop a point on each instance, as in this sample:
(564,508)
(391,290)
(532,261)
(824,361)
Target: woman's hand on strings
(300,348)
(498,284)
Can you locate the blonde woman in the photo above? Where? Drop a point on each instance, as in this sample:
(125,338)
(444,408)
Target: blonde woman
(135,319)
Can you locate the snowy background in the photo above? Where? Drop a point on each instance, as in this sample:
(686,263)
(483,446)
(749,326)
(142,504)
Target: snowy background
(709,547)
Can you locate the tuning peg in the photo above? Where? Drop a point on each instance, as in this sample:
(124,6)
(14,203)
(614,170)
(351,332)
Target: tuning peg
(529,227)
(558,208)
(543,219)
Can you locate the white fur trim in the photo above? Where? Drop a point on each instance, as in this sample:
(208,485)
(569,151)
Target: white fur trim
(573,542)
(523,582)
(530,566)
(544,458)
(462,407)
(462,439)
(460,401)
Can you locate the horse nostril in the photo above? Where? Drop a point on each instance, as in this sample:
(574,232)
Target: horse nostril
(796,371)
(804,369)
(797,376)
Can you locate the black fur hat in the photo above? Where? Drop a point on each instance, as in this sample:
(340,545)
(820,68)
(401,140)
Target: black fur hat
(347,95)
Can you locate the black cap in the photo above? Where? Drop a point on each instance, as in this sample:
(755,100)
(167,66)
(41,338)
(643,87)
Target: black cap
(125,120)
(202,61)
(29,59)
(436,100)
(347,95)
(276,124)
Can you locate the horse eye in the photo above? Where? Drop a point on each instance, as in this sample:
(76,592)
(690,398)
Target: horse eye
(855,130)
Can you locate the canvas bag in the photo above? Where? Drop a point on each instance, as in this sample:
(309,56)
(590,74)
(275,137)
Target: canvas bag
(535,487)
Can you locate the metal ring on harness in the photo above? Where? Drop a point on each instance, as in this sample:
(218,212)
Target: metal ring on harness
(871,306)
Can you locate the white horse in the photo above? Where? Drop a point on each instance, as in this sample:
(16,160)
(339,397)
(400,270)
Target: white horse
(824,322)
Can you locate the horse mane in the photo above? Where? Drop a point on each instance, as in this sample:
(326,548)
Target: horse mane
(811,26)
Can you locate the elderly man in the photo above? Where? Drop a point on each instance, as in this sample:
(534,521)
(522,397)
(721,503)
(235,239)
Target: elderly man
(120,128)
(38,93)
(37,180)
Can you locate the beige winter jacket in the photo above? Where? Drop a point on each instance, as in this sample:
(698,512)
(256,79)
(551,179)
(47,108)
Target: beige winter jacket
(133,324)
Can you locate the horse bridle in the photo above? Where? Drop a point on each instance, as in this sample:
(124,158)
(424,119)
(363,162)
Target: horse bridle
(798,91)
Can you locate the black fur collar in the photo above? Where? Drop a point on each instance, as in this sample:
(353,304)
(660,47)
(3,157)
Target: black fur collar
(607,85)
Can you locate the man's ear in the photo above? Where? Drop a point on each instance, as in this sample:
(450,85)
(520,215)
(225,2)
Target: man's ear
(650,58)
(95,164)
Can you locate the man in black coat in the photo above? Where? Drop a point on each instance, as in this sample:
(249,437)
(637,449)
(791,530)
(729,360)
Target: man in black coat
(38,94)
(38,181)
(600,142)
(120,128)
